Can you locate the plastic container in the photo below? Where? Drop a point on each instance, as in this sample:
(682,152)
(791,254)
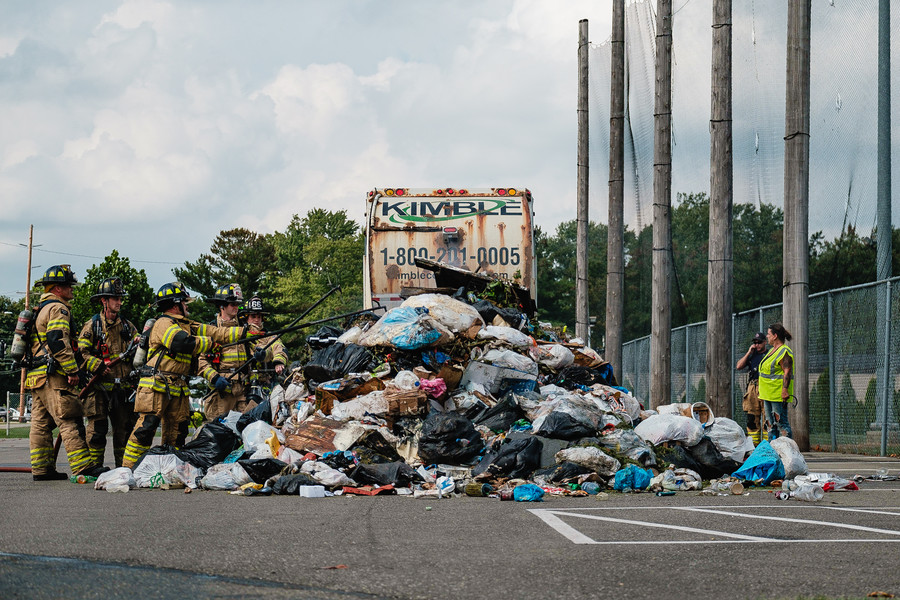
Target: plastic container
(591,487)
(311,491)
(809,493)
(478,489)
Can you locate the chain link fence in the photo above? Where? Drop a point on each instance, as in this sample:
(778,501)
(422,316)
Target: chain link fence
(854,366)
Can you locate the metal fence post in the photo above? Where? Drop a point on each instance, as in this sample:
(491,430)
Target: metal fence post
(832,400)
(731,358)
(888,386)
(687,363)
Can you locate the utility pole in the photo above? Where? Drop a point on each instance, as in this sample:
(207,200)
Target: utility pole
(885,386)
(661,319)
(27,305)
(796,210)
(615,249)
(720,290)
(582,327)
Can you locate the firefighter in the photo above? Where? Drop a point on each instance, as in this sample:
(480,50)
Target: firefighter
(220,368)
(53,379)
(104,337)
(752,405)
(275,357)
(163,396)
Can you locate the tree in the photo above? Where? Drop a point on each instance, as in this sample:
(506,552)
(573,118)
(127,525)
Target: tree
(136,307)
(556,275)
(315,253)
(236,256)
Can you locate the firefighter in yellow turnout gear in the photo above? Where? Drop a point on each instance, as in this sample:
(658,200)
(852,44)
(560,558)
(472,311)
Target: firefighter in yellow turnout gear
(104,337)
(275,358)
(218,367)
(175,341)
(52,379)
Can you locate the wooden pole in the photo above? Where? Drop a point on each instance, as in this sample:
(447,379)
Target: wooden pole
(615,249)
(661,318)
(796,211)
(720,289)
(27,305)
(581,261)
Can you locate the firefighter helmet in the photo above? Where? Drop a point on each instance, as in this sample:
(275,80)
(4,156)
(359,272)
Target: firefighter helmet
(253,306)
(227,294)
(58,275)
(171,294)
(111,287)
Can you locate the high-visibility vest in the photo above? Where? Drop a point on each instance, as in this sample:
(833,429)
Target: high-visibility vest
(771,375)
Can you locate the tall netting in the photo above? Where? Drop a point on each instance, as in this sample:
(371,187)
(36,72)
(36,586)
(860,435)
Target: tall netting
(854,345)
(843,115)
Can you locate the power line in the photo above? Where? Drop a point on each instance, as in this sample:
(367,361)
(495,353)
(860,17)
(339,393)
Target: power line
(151,262)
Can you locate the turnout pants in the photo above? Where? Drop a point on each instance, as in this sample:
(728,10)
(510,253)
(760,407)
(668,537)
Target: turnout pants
(54,404)
(753,406)
(220,404)
(155,409)
(105,407)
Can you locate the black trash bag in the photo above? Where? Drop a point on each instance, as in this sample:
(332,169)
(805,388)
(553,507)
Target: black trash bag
(213,442)
(372,448)
(677,456)
(338,460)
(712,463)
(574,376)
(485,308)
(290,484)
(260,469)
(399,473)
(326,335)
(512,458)
(336,360)
(449,438)
(502,415)
(260,412)
(564,472)
(563,426)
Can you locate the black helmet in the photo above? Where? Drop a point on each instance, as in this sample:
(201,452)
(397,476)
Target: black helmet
(253,306)
(111,287)
(171,294)
(58,274)
(226,294)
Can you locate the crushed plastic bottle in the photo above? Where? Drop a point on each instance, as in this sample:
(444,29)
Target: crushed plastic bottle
(591,487)
(121,487)
(809,493)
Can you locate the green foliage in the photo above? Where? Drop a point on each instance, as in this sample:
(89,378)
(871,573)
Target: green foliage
(236,256)
(556,264)
(135,307)
(820,404)
(851,413)
(315,253)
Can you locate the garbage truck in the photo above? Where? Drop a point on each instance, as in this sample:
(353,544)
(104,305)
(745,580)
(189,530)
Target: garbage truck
(488,231)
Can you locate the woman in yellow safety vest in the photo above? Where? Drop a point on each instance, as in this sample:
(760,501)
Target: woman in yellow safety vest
(776,381)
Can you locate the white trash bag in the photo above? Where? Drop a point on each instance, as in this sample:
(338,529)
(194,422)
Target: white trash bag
(670,428)
(789,453)
(730,439)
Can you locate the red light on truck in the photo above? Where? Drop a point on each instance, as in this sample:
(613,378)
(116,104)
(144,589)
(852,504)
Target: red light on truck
(450,230)
(400,191)
(501,192)
(450,191)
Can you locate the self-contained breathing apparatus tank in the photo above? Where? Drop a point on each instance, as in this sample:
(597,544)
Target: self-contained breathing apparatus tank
(140,355)
(19,346)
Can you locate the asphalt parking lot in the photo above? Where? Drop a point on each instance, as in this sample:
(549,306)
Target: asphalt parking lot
(61,539)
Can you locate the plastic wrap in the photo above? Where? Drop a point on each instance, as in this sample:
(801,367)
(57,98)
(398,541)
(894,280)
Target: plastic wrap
(669,428)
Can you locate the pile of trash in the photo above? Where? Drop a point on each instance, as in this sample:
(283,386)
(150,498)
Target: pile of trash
(452,395)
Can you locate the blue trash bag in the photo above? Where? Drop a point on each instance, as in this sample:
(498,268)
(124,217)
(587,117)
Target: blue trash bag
(414,333)
(528,492)
(763,464)
(632,476)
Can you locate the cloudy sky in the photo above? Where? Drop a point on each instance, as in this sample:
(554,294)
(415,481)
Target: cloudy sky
(149,126)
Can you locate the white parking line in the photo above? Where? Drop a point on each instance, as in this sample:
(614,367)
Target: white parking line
(552,517)
(789,520)
(863,510)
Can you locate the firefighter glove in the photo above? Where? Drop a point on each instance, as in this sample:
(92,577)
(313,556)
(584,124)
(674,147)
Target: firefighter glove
(220,383)
(260,355)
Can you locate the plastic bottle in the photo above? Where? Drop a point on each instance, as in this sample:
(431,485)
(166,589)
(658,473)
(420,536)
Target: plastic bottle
(591,487)
(82,479)
(809,493)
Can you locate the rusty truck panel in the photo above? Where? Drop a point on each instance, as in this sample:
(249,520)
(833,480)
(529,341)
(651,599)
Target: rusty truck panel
(485,230)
